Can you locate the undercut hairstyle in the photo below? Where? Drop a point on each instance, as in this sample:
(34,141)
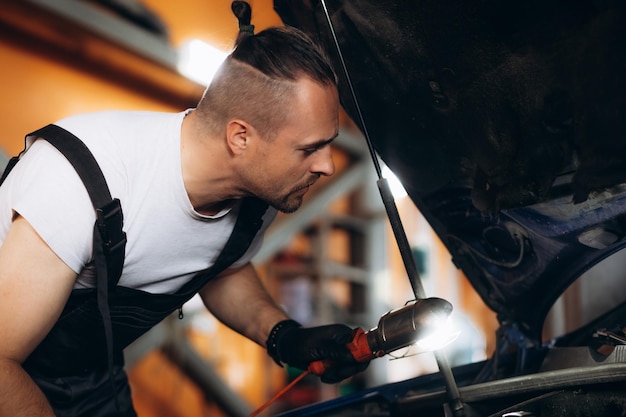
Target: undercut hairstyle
(257,80)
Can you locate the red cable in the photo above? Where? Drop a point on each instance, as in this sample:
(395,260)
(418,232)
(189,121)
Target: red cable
(279,394)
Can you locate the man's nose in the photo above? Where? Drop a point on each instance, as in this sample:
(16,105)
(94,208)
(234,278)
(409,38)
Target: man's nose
(323,164)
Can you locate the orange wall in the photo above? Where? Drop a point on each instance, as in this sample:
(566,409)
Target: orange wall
(37,91)
(211,21)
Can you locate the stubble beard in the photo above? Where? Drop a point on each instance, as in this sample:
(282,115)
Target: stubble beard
(285,203)
(289,206)
(289,203)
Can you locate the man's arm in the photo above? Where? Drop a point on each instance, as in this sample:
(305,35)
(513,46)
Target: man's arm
(239,300)
(34,286)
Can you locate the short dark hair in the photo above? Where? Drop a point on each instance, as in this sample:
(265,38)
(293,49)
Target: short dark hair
(280,52)
(256,81)
(285,53)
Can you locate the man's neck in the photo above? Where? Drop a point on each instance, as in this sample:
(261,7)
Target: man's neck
(205,171)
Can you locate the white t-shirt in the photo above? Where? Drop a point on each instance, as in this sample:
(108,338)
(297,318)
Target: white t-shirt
(139,154)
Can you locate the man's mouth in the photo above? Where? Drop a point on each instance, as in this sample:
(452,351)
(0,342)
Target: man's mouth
(303,190)
(306,187)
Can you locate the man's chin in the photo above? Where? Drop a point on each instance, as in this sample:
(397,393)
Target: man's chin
(288,206)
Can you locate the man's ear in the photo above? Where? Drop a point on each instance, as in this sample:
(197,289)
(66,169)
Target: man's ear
(237,135)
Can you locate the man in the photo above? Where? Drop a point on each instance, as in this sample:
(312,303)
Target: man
(262,131)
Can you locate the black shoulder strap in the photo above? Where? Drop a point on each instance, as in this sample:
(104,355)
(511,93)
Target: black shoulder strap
(109,239)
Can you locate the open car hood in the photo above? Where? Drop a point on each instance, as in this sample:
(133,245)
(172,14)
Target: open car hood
(505,122)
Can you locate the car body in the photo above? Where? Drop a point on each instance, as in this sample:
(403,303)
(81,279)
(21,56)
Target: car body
(506,124)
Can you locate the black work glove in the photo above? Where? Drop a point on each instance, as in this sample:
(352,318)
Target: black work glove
(294,345)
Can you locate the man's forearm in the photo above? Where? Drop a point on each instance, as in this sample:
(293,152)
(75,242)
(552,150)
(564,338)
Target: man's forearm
(19,395)
(240,301)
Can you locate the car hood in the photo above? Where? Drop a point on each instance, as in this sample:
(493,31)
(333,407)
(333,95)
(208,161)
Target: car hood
(505,122)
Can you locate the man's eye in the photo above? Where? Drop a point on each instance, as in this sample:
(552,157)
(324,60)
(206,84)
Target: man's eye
(309,151)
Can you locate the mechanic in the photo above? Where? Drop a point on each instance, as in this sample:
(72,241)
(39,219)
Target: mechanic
(258,139)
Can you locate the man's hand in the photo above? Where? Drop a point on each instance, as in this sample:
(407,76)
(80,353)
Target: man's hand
(297,346)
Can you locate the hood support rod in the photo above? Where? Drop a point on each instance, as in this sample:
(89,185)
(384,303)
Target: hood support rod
(455,405)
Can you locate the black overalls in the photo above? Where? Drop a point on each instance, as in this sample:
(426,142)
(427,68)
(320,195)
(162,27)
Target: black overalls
(79,365)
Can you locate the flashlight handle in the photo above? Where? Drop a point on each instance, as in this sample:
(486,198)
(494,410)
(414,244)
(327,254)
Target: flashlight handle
(319,367)
(358,347)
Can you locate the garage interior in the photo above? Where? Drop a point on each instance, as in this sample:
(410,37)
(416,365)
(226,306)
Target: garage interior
(334,260)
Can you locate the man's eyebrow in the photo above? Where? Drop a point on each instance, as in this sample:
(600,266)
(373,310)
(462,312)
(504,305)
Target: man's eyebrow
(322,142)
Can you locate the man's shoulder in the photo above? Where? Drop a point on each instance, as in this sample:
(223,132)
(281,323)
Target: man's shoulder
(113,118)
(112,132)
